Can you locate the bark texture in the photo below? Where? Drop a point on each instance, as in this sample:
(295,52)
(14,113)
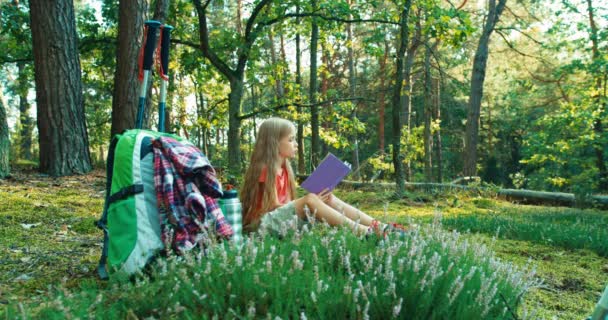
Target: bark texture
(126,82)
(64,144)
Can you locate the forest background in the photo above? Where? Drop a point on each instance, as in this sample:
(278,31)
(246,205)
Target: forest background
(407,90)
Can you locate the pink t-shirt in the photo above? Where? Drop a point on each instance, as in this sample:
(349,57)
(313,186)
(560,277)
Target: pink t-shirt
(281,184)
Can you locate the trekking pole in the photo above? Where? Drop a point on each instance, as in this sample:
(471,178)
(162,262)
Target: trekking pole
(165,34)
(148,52)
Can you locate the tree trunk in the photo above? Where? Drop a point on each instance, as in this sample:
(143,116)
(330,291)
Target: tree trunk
(437,111)
(64,143)
(409,84)
(428,147)
(476,94)
(326,63)
(352,86)
(406,99)
(300,134)
(235,76)
(25,121)
(234,124)
(5,144)
(161,10)
(597,125)
(278,86)
(312,91)
(126,83)
(382,98)
(396,99)
(285,63)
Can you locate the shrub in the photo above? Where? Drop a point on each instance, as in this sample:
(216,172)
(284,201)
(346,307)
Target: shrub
(430,274)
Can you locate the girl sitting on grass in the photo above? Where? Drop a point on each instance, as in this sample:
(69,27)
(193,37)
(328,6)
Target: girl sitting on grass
(269,189)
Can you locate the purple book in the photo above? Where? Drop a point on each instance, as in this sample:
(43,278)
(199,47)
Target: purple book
(327,175)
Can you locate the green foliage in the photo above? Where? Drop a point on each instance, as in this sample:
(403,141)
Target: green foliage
(50,249)
(560,155)
(15,35)
(566,228)
(316,273)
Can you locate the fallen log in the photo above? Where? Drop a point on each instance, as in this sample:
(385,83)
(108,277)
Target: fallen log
(520,195)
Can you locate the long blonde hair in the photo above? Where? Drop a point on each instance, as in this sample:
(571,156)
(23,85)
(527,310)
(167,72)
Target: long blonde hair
(265,155)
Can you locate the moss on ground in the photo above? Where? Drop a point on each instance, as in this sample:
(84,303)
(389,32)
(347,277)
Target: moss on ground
(49,239)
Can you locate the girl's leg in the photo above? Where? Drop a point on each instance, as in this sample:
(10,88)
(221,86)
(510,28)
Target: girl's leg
(324,212)
(351,212)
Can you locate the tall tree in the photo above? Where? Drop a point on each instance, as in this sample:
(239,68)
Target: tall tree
(64,143)
(126,83)
(26,126)
(312,93)
(411,52)
(352,89)
(437,116)
(300,135)
(600,100)
(382,97)
(403,40)
(4,140)
(477,79)
(236,74)
(428,141)
(17,47)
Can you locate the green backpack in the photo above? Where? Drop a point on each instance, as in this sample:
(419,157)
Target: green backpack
(130,218)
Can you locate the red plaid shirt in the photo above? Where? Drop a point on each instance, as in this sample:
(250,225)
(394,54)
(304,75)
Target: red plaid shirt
(186,189)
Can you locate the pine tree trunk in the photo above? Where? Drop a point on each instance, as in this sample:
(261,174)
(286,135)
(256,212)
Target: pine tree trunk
(352,86)
(273,60)
(428,147)
(300,134)
(382,98)
(126,84)
(437,115)
(5,145)
(407,98)
(476,94)
(597,125)
(64,143)
(396,99)
(312,91)
(25,121)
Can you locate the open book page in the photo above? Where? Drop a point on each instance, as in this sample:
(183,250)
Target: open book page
(328,174)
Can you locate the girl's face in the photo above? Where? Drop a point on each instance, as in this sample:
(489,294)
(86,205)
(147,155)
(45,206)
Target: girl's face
(288,146)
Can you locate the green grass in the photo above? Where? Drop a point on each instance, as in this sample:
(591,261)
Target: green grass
(566,228)
(429,275)
(49,269)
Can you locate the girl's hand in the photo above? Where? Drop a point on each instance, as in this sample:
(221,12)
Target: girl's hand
(326,196)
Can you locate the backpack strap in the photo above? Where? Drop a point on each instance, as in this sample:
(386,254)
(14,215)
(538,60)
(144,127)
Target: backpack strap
(102,223)
(125,192)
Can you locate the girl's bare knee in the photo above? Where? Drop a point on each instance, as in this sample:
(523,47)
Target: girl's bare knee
(311,198)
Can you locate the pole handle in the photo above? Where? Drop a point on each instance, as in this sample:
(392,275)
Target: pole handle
(165,44)
(151,26)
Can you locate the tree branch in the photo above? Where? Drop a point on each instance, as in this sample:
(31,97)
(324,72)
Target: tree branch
(204,38)
(216,104)
(512,47)
(521,32)
(326,18)
(297,104)
(251,33)
(193,45)
(4,60)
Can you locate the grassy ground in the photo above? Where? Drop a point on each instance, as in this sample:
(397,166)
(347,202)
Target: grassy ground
(568,248)
(48,238)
